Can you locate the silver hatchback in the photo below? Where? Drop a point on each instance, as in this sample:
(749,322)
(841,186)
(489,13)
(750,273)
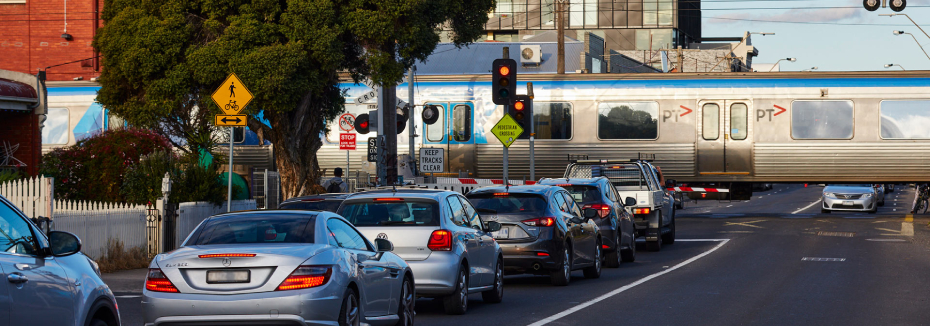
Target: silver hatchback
(442,238)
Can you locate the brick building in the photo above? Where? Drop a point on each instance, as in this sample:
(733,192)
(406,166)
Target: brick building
(21,109)
(35,34)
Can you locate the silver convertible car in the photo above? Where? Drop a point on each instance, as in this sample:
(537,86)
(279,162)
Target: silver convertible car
(279,268)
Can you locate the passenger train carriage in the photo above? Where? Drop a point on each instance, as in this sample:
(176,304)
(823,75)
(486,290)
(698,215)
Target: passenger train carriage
(702,128)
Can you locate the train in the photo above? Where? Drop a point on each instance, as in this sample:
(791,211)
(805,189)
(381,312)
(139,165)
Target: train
(732,129)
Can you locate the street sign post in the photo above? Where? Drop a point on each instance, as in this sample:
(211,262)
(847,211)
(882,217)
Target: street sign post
(432,160)
(347,122)
(231,97)
(372,149)
(346,143)
(507,130)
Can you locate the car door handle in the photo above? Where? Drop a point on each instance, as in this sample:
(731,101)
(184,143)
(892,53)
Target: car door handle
(17,278)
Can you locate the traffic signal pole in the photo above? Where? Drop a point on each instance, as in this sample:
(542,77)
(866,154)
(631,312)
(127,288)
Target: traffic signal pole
(410,127)
(529,92)
(506,55)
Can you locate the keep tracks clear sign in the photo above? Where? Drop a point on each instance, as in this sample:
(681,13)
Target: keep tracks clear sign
(431,160)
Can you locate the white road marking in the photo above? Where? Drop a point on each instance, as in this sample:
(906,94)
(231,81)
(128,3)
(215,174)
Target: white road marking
(886,240)
(806,207)
(603,297)
(822,259)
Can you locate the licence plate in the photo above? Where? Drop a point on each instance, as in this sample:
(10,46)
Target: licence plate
(214,277)
(847,202)
(504,233)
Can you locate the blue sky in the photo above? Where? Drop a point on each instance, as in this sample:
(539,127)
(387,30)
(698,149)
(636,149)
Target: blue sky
(844,39)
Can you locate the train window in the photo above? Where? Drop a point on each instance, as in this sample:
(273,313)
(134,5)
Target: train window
(739,121)
(822,119)
(628,120)
(553,121)
(435,132)
(461,122)
(905,119)
(710,121)
(57,127)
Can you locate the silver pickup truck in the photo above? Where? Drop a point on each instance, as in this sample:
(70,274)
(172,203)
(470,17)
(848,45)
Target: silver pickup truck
(654,212)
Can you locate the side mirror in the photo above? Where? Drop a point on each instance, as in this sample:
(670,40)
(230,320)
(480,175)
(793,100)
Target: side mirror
(590,213)
(383,245)
(629,202)
(670,183)
(493,226)
(63,243)
(576,220)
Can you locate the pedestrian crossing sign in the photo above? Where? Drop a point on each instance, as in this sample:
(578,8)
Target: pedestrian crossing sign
(232,96)
(507,130)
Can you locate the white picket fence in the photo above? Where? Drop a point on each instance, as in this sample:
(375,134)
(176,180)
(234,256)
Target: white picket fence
(192,213)
(95,223)
(34,196)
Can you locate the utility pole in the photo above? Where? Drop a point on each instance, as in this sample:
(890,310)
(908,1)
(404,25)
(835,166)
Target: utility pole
(560,25)
(410,113)
(529,92)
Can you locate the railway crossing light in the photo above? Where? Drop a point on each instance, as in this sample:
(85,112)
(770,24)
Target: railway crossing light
(430,114)
(522,111)
(871,5)
(504,81)
(897,5)
(401,121)
(361,123)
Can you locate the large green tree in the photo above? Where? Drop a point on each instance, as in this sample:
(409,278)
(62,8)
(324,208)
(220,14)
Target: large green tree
(163,59)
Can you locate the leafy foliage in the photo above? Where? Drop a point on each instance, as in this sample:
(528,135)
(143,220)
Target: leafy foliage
(9,175)
(93,168)
(164,58)
(190,180)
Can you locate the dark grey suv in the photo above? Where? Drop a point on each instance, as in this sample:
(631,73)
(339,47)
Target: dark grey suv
(616,223)
(543,231)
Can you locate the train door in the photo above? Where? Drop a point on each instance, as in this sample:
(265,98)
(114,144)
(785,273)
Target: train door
(454,132)
(724,137)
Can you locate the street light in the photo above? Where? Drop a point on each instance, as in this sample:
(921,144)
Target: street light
(894,65)
(915,40)
(811,69)
(909,18)
(780,60)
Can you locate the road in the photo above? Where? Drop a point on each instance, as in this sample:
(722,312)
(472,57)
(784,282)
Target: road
(769,261)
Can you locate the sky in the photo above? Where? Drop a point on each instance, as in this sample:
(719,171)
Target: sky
(833,35)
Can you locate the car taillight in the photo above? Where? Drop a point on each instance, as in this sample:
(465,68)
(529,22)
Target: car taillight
(440,240)
(306,277)
(603,210)
(641,210)
(539,221)
(158,282)
(225,255)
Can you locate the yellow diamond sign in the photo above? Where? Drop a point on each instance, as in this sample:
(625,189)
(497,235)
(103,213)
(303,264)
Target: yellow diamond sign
(232,96)
(507,130)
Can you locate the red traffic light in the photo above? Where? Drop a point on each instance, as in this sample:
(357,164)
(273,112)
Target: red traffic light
(504,70)
(518,106)
(363,124)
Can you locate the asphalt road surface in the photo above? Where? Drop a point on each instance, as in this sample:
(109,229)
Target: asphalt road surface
(774,260)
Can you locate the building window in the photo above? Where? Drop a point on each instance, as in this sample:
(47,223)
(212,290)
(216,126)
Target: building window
(576,13)
(553,120)
(590,12)
(710,121)
(905,119)
(654,39)
(628,120)
(548,13)
(822,119)
(56,127)
(461,123)
(665,13)
(650,12)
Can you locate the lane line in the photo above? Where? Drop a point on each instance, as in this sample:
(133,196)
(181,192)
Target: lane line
(631,285)
(806,207)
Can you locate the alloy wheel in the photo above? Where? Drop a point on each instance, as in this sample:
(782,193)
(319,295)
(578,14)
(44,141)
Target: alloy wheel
(408,303)
(567,265)
(463,293)
(352,311)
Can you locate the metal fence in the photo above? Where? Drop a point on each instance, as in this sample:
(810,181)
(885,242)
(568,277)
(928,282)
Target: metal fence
(266,188)
(191,214)
(96,223)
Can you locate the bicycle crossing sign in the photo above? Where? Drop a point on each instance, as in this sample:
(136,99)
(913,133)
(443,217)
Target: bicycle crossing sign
(232,96)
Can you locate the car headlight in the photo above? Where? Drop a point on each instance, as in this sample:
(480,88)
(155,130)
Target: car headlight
(828,194)
(867,195)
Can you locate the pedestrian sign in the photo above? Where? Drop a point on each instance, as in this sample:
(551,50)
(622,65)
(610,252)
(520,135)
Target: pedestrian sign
(231,96)
(507,130)
(223,120)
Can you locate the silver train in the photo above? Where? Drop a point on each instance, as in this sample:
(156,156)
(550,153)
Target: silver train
(702,128)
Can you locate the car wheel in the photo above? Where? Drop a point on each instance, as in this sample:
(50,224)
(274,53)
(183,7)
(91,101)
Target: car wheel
(654,245)
(629,255)
(496,295)
(563,275)
(594,271)
(669,238)
(98,322)
(882,203)
(457,303)
(613,258)
(350,314)
(825,211)
(406,310)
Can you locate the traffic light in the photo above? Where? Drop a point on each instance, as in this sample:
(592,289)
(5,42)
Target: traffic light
(522,111)
(401,122)
(504,81)
(361,123)
(430,114)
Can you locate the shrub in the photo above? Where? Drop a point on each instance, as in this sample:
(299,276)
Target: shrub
(142,182)
(93,169)
(191,180)
(9,175)
(118,257)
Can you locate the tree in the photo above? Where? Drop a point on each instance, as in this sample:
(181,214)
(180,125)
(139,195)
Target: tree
(164,58)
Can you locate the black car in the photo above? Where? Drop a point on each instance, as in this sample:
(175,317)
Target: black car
(543,231)
(615,222)
(322,202)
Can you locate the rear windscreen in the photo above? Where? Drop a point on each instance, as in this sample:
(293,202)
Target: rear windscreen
(620,175)
(264,228)
(510,203)
(324,205)
(584,194)
(392,213)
